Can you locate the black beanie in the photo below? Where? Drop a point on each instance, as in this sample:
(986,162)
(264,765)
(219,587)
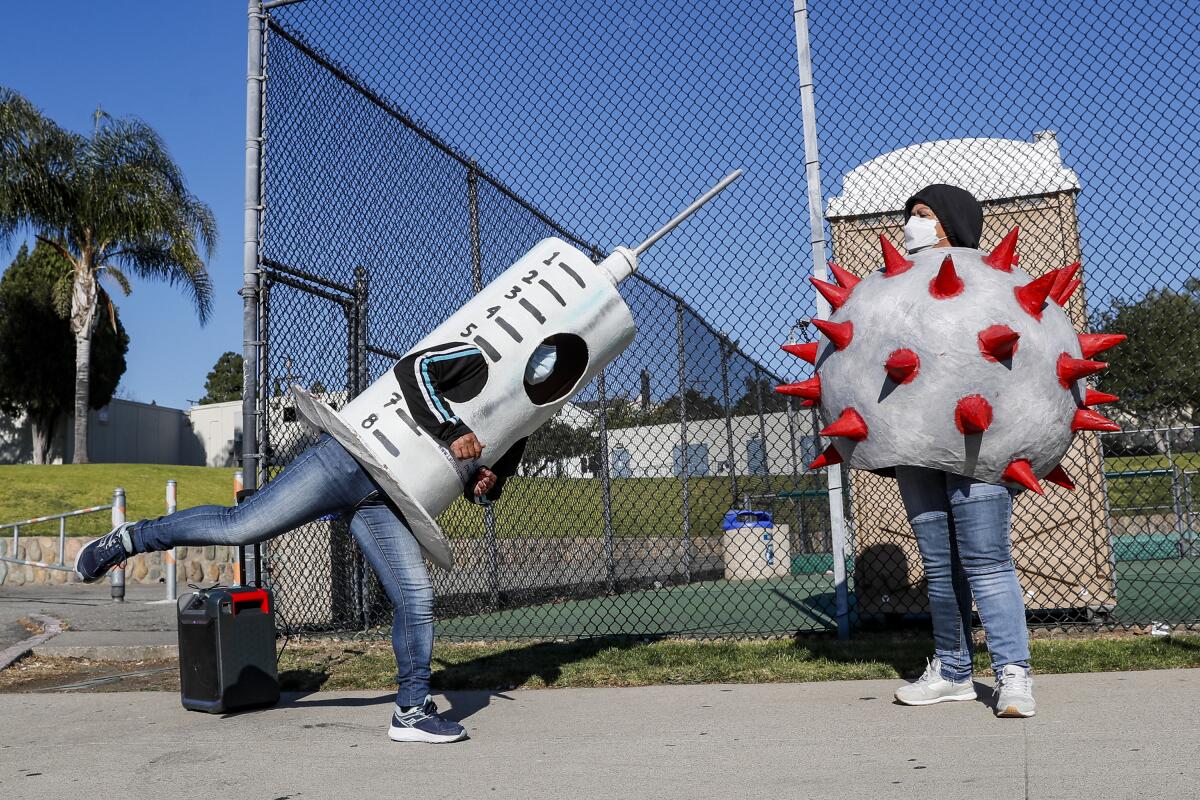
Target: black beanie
(957,209)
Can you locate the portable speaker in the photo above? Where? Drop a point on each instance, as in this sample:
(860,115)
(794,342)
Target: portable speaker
(227,649)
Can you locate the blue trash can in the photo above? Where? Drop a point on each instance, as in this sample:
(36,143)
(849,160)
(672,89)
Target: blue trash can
(746,518)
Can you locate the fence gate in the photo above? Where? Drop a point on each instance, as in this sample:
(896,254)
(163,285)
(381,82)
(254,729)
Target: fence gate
(404,154)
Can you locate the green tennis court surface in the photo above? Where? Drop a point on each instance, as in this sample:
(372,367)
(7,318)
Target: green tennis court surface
(1167,590)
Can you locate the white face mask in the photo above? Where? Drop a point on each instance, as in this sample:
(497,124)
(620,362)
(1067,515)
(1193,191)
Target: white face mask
(541,364)
(919,232)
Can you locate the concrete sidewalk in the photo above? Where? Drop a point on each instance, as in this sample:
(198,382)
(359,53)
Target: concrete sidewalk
(1109,735)
(98,628)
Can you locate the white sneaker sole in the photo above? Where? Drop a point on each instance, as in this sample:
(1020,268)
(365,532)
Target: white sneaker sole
(1014,712)
(948,698)
(397,734)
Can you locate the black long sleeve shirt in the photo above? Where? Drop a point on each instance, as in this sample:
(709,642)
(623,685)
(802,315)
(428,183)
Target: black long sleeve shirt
(433,381)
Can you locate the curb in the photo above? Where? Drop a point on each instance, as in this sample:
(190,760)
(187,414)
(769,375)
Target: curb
(110,652)
(51,627)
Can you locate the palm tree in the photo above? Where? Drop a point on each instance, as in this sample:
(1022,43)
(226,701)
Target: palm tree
(112,204)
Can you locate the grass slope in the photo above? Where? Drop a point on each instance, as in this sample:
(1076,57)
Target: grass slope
(32,491)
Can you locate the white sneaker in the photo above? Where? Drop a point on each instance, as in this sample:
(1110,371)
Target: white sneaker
(932,688)
(1014,687)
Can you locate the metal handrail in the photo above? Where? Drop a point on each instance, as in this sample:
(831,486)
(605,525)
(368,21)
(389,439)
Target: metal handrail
(62,536)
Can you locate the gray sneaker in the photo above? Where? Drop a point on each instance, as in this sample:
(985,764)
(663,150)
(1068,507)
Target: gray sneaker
(932,688)
(1014,690)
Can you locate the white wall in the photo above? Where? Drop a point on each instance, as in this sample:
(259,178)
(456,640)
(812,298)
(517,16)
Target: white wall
(217,429)
(128,432)
(651,448)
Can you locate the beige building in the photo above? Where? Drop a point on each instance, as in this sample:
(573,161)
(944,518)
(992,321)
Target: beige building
(1060,540)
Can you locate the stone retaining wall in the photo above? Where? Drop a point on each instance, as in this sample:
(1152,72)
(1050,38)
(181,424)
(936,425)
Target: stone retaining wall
(198,565)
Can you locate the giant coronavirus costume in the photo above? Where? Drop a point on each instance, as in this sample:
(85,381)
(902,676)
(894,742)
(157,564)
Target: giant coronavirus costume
(953,359)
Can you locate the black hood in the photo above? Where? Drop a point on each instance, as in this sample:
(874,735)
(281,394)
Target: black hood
(957,209)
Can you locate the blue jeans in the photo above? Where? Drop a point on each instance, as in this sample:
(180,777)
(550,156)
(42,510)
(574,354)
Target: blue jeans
(962,529)
(322,480)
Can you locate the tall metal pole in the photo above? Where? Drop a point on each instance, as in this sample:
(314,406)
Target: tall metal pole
(762,425)
(489,516)
(610,561)
(250,246)
(169,555)
(837,520)
(476,244)
(684,466)
(116,576)
(733,473)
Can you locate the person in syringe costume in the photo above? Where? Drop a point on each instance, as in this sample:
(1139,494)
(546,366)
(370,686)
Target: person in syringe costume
(449,419)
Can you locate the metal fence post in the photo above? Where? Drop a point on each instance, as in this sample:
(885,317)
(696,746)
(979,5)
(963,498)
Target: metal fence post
(476,246)
(239,566)
(685,467)
(489,516)
(798,500)
(610,562)
(733,477)
(251,221)
(837,520)
(169,555)
(762,424)
(493,552)
(116,577)
(62,540)
(1177,501)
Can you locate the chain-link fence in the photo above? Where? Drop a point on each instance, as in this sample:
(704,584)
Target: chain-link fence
(413,151)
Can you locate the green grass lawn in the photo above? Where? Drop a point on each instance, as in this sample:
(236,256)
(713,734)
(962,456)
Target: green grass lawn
(1129,495)
(553,507)
(620,662)
(532,507)
(33,491)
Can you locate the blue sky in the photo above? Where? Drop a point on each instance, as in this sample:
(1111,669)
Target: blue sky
(611,115)
(181,67)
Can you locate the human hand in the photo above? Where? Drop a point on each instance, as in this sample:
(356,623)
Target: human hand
(465,447)
(485,479)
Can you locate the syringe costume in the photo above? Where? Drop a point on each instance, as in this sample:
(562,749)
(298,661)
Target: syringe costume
(468,375)
(471,374)
(953,359)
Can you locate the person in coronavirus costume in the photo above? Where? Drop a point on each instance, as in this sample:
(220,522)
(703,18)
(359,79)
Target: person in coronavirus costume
(960,375)
(449,419)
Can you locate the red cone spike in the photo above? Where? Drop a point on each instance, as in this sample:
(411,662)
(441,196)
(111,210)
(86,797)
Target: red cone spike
(947,283)
(998,342)
(902,365)
(1021,472)
(829,457)
(850,424)
(1072,369)
(1059,476)
(836,295)
(1005,254)
(1062,297)
(807,351)
(1092,343)
(840,333)
(844,278)
(809,389)
(1064,276)
(1032,296)
(893,262)
(973,414)
(1088,420)
(1094,398)
(808,403)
